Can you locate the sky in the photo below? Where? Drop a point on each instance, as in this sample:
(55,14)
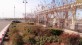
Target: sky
(7,7)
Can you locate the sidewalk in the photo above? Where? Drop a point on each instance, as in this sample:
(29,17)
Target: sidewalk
(72,32)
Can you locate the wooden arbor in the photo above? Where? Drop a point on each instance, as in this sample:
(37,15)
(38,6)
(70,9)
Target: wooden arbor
(60,16)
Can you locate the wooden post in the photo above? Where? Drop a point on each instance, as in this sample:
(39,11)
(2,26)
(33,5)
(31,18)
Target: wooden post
(66,19)
(73,18)
(38,19)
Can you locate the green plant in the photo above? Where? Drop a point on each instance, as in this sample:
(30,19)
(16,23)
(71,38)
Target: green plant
(16,39)
(30,23)
(56,32)
(74,39)
(80,41)
(12,30)
(32,41)
(25,39)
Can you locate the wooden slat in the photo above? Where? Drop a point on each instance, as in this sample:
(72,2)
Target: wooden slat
(79,1)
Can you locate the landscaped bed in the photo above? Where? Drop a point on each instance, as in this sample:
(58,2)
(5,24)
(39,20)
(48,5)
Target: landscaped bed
(31,34)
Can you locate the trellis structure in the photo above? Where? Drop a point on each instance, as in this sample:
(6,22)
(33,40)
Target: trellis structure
(60,15)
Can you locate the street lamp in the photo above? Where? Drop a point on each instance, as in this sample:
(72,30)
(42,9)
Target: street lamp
(14,11)
(25,1)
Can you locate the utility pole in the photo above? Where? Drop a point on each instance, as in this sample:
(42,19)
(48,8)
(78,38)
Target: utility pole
(25,1)
(14,11)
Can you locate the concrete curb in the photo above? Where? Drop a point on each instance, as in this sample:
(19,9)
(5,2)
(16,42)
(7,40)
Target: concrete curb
(3,32)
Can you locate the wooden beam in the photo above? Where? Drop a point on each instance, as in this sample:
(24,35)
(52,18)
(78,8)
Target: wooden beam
(79,1)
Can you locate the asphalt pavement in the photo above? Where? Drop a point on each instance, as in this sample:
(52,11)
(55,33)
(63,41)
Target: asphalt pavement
(3,23)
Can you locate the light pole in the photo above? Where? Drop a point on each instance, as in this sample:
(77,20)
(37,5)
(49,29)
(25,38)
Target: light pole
(25,1)
(14,11)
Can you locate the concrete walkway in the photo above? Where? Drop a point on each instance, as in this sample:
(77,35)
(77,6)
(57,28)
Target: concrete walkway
(72,32)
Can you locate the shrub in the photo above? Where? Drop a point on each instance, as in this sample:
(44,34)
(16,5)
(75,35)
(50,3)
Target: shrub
(56,32)
(35,29)
(80,41)
(12,31)
(25,39)
(31,23)
(40,40)
(16,39)
(32,41)
(74,39)
(16,21)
